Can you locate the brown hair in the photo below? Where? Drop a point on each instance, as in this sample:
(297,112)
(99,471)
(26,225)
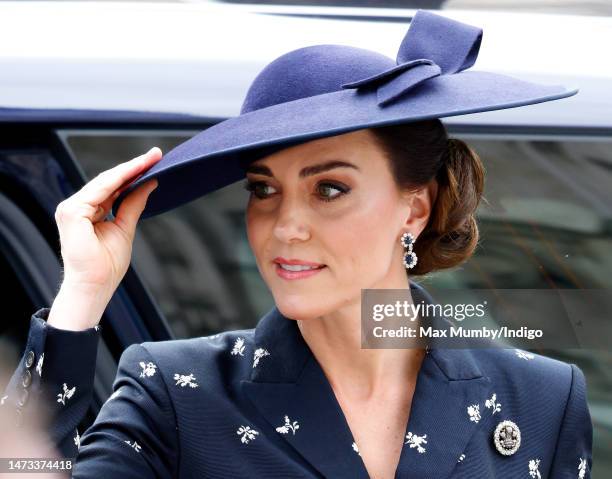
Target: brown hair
(420,152)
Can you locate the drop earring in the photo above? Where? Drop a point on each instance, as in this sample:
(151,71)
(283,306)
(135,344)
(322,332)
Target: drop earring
(410,257)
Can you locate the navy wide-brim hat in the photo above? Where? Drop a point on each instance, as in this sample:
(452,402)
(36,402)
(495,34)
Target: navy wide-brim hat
(324,90)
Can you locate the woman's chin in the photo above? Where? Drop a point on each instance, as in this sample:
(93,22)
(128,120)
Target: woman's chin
(301,307)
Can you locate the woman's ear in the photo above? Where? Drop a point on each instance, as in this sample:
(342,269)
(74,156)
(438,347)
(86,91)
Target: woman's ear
(420,204)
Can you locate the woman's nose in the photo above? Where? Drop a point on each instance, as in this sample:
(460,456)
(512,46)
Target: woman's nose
(291,223)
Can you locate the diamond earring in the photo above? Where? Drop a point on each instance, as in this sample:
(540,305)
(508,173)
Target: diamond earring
(410,257)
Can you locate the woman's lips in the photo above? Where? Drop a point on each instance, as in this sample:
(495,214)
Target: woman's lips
(285,274)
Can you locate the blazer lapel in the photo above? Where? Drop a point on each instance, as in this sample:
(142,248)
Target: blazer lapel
(290,390)
(448,382)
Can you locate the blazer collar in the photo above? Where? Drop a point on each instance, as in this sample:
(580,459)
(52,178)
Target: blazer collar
(290,382)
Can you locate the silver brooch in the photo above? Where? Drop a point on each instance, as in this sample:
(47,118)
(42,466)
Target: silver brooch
(507,438)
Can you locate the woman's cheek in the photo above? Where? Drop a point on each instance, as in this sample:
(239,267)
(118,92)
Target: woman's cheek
(256,234)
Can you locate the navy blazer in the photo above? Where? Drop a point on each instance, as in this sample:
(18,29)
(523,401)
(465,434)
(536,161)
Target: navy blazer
(255,403)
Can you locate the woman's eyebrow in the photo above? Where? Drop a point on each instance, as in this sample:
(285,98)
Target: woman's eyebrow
(307,171)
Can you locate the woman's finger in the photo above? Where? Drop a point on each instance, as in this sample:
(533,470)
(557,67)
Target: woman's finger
(106,183)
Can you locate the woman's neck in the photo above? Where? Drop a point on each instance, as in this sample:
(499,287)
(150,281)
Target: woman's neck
(356,373)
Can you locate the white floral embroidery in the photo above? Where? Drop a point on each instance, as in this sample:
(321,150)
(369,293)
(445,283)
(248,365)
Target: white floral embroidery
(77,440)
(247,434)
(238,347)
(183,380)
(67,394)
(523,354)
(355,448)
(258,354)
(135,445)
(474,412)
(288,426)
(491,404)
(148,369)
(534,468)
(416,441)
(39,364)
(461,458)
(582,468)
(3,399)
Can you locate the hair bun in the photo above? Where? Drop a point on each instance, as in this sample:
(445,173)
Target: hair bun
(420,152)
(452,234)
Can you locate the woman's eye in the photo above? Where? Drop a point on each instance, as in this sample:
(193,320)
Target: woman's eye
(256,187)
(326,190)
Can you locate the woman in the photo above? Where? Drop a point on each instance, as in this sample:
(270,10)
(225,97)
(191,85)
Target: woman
(328,216)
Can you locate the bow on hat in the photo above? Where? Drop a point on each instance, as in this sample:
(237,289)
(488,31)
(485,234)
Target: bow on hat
(434,45)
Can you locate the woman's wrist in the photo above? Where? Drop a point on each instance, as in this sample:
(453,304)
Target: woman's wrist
(76,308)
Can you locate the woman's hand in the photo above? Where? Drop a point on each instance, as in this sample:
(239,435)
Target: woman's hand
(96,253)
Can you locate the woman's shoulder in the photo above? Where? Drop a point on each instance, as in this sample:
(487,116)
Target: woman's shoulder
(215,359)
(528,374)
(528,365)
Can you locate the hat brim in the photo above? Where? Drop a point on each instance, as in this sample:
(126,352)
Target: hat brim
(210,160)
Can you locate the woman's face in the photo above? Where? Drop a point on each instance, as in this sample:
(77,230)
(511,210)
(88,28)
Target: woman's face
(332,202)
